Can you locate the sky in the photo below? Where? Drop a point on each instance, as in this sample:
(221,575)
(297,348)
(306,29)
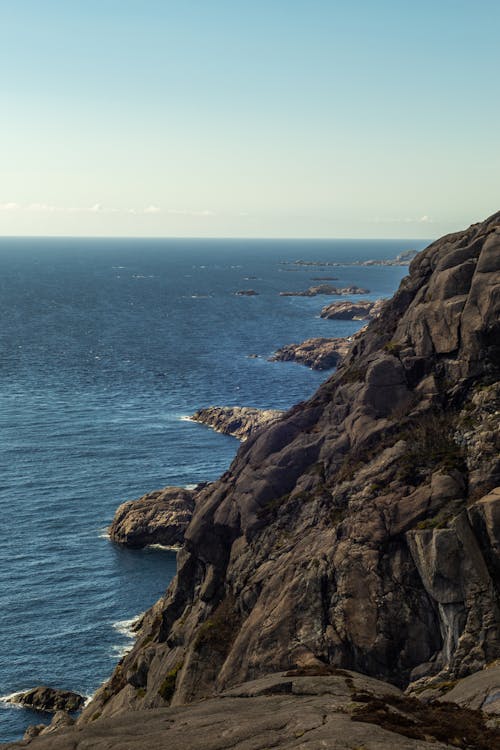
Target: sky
(275,118)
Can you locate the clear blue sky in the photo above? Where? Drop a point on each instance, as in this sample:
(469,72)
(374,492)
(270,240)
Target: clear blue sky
(278,118)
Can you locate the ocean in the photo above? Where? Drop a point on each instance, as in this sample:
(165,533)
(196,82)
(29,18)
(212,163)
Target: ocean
(106,344)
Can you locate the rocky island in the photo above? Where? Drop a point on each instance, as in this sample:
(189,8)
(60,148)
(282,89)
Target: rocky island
(326,289)
(350,553)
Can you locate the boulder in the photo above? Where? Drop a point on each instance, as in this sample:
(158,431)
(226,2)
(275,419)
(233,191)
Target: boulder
(238,421)
(318,353)
(43,698)
(159,517)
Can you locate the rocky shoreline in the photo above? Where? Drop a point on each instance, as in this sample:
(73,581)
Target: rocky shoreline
(317,353)
(351,552)
(159,517)
(238,421)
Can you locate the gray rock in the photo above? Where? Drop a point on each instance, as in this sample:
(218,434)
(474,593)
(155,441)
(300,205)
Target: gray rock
(348,310)
(337,711)
(354,532)
(314,291)
(238,421)
(318,353)
(43,698)
(159,517)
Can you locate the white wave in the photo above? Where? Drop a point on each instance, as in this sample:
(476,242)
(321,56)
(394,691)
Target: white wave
(126,627)
(120,651)
(185,418)
(168,547)
(190,486)
(104,533)
(5,700)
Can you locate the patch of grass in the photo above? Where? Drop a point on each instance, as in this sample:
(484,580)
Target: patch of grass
(167,687)
(435,522)
(96,716)
(336,515)
(270,511)
(217,634)
(353,374)
(140,692)
(392,347)
(430,446)
(440,722)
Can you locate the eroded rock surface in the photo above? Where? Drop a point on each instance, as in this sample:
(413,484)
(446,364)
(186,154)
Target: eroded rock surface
(359,531)
(348,310)
(238,421)
(355,531)
(317,353)
(50,700)
(308,709)
(159,517)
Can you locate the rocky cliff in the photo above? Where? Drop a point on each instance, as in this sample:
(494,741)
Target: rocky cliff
(362,530)
(238,421)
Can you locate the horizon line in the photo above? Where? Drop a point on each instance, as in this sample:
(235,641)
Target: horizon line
(210,237)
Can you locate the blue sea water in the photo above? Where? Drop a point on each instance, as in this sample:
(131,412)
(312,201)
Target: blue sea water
(104,346)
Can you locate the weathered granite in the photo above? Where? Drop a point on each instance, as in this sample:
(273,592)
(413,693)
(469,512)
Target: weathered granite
(238,421)
(318,353)
(159,517)
(348,310)
(308,710)
(329,539)
(358,531)
(48,699)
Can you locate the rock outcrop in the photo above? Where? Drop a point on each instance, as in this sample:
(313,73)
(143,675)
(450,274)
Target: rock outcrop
(160,517)
(246,293)
(314,291)
(326,708)
(360,530)
(360,310)
(238,421)
(318,353)
(50,700)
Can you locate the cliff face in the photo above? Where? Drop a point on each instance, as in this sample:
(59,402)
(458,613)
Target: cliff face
(362,529)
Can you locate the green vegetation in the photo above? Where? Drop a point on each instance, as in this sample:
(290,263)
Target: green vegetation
(217,634)
(434,722)
(353,374)
(167,687)
(392,347)
(430,446)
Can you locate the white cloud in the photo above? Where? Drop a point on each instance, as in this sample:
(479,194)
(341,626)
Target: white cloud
(187,212)
(9,206)
(98,208)
(406,220)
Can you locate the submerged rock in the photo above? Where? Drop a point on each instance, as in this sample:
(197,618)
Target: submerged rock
(318,353)
(159,517)
(246,293)
(43,698)
(238,421)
